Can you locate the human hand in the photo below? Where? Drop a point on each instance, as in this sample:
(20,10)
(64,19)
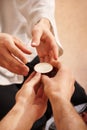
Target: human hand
(61,85)
(12,55)
(32,97)
(84,116)
(44,41)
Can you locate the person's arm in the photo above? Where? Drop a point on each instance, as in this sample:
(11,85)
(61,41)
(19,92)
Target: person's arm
(41,26)
(30,105)
(17,119)
(59,90)
(65,116)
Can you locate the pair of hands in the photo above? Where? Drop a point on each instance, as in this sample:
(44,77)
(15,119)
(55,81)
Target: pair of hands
(38,88)
(12,50)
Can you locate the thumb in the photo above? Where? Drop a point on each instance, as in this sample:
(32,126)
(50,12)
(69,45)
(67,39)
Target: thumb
(36,36)
(45,79)
(33,79)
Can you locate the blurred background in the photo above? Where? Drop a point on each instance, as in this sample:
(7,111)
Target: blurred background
(71,20)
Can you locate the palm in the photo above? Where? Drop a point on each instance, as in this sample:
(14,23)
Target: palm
(47,49)
(44,51)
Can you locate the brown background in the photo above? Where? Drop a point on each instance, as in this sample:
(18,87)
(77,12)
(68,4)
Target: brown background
(71,19)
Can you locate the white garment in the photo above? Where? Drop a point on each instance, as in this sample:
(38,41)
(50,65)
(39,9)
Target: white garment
(49,122)
(17,17)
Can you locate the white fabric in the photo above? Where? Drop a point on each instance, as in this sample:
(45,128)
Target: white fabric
(17,17)
(49,122)
(80,108)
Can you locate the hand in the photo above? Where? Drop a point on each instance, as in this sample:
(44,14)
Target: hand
(44,41)
(84,116)
(32,97)
(62,84)
(12,55)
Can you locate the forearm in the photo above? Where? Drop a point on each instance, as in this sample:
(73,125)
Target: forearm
(66,118)
(17,119)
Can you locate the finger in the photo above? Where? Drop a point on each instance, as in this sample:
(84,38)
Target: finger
(34,80)
(41,94)
(41,59)
(56,64)
(55,50)
(40,91)
(15,66)
(14,50)
(45,59)
(51,40)
(45,97)
(21,46)
(36,36)
(19,67)
(30,77)
(45,79)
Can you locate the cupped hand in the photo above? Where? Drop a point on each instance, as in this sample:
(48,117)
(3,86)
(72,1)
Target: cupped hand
(44,41)
(32,96)
(62,84)
(12,54)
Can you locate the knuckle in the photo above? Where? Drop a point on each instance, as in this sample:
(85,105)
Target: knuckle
(36,30)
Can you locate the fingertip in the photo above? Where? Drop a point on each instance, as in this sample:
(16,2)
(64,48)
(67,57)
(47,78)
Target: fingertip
(56,63)
(38,74)
(28,52)
(36,36)
(25,60)
(44,77)
(26,71)
(56,55)
(34,44)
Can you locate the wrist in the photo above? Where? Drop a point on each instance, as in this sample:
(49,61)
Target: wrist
(26,112)
(56,97)
(46,22)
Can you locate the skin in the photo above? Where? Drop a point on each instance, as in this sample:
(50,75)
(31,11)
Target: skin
(43,39)
(32,97)
(31,104)
(59,90)
(84,116)
(10,48)
(14,49)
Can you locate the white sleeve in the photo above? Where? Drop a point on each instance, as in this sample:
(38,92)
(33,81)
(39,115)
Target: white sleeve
(34,10)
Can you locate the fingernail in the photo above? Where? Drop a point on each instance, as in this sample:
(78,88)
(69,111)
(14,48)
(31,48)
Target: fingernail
(25,73)
(33,43)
